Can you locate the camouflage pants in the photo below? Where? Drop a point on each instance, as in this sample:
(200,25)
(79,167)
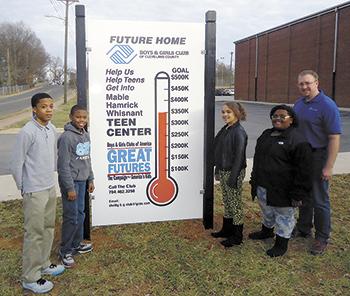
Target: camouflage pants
(282,218)
(232,197)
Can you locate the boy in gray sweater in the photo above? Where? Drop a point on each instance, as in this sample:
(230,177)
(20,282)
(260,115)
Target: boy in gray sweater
(74,171)
(33,170)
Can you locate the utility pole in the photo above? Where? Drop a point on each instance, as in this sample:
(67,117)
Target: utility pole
(67,3)
(220,66)
(231,69)
(222,71)
(8,68)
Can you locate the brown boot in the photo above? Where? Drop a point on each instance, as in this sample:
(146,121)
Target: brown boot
(318,247)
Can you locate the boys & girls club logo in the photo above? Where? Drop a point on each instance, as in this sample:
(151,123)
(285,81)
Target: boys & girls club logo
(121,54)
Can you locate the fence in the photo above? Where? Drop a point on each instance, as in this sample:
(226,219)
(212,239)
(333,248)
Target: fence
(8,90)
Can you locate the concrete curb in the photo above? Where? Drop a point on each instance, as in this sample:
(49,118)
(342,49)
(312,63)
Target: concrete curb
(9,190)
(13,131)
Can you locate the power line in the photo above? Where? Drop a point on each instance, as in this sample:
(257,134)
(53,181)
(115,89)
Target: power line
(70,30)
(56,8)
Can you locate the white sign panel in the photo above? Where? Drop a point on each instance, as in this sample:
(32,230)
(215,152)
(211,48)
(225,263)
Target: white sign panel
(146,103)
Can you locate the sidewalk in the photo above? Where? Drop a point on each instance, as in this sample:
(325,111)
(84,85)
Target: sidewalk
(9,190)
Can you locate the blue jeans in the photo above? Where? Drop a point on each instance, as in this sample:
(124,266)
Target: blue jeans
(282,218)
(73,218)
(318,212)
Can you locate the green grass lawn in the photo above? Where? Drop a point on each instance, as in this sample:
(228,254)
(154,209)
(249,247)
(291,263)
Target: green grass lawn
(181,258)
(60,116)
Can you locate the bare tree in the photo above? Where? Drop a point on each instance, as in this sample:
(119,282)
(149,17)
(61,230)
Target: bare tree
(22,56)
(55,70)
(224,76)
(72,74)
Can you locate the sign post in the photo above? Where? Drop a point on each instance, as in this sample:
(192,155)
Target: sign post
(81,90)
(210,56)
(80,44)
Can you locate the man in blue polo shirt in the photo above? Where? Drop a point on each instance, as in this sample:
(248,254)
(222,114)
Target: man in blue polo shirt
(319,121)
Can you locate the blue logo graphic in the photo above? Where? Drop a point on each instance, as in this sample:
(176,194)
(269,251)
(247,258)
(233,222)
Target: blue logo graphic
(83,149)
(121,54)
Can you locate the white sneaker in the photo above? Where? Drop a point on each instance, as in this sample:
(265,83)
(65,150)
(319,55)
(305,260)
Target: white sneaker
(83,248)
(53,269)
(41,286)
(67,260)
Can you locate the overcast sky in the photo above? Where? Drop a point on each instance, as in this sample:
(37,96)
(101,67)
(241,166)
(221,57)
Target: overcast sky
(236,19)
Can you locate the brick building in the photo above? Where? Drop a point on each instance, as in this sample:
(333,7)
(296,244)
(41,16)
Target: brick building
(267,64)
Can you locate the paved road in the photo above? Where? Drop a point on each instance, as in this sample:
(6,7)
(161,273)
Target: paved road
(257,121)
(19,102)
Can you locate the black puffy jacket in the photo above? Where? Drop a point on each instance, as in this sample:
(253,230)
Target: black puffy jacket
(283,166)
(230,147)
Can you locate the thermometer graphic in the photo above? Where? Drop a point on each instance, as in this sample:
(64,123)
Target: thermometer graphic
(162,189)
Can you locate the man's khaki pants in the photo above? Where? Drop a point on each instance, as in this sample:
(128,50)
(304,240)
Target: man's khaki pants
(39,224)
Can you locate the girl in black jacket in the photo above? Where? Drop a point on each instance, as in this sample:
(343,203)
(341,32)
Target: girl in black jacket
(280,177)
(230,162)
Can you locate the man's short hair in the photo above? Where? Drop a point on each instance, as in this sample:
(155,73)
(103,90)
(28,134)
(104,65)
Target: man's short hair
(76,108)
(309,72)
(39,96)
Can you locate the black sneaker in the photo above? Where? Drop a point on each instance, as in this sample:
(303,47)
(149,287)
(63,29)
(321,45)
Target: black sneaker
(83,248)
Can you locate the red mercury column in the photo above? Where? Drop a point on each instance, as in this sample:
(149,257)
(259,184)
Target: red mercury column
(162,189)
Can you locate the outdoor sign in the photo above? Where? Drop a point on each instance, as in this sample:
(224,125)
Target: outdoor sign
(146,103)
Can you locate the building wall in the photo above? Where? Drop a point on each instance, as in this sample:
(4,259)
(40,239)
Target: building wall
(277,67)
(284,52)
(241,70)
(342,83)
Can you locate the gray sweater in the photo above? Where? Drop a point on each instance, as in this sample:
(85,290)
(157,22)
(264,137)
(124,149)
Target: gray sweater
(33,160)
(73,162)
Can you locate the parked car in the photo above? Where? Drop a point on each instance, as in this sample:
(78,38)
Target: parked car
(219,91)
(229,91)
(224,92)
